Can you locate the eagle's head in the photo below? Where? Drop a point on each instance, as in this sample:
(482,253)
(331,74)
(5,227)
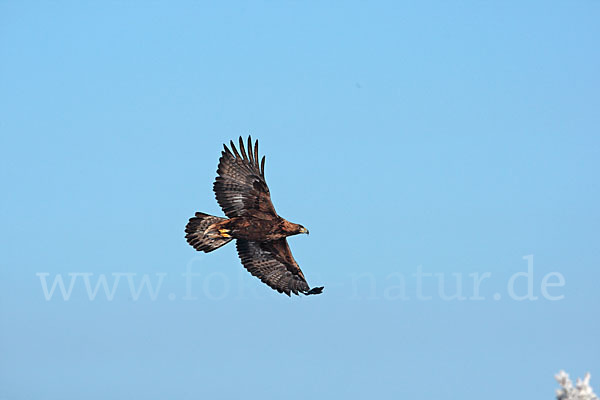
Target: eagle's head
(293,229)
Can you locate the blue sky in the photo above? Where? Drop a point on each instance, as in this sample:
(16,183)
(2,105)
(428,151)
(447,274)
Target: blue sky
(451,138)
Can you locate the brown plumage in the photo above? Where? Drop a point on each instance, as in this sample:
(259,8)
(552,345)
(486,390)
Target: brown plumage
(243,194)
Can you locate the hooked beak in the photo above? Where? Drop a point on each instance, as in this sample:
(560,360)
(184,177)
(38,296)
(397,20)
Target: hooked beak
(304,230)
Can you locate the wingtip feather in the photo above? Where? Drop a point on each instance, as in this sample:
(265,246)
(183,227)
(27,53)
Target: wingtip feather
(243,150)
(256,154)
(237,155)
(250,155)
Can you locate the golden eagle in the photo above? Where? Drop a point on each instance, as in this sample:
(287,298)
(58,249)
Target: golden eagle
(260,233)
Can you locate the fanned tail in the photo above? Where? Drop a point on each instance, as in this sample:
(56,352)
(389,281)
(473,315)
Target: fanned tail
(198,233)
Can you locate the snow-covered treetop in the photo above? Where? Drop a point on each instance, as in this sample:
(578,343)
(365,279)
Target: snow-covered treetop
(581,391)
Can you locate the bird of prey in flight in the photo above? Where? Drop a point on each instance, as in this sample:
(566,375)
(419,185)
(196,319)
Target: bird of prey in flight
(260,233)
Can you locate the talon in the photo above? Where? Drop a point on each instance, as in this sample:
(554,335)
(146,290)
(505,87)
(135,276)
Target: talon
(224,233)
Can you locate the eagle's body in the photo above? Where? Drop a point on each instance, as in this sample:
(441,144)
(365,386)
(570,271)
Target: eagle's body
(260,233)
(257,229)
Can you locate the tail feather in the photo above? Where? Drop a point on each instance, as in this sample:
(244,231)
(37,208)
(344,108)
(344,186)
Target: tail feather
(197,233)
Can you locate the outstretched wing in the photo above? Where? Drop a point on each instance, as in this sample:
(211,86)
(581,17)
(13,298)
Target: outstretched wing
(273,263)
(241,188)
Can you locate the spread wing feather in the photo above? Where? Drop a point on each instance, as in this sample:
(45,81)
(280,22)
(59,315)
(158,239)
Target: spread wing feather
(240,187)
(273,263)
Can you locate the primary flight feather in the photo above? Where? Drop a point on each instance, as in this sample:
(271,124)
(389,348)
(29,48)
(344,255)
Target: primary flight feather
(260,233)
